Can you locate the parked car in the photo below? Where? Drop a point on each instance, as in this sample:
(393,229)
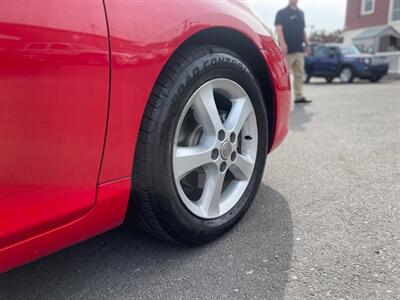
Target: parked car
(344,61)
(158,112)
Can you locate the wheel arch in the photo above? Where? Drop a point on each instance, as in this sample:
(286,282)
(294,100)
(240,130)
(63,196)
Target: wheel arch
(347,65)
(239,43)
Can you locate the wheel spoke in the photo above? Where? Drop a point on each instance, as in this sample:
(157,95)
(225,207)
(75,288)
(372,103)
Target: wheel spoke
(188,159)
(205,110)
(240,112)
(242,168)
(210,200)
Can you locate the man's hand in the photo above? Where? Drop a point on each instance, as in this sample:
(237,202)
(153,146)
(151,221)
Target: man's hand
(306,50)
(281,39)
(284,48)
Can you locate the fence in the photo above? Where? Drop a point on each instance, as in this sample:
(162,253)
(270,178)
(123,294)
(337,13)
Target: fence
(394,60)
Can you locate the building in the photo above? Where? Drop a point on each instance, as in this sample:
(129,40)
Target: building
(373,25)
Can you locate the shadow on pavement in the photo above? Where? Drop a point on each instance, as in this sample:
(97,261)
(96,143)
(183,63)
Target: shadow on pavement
(300,117)
(253,260)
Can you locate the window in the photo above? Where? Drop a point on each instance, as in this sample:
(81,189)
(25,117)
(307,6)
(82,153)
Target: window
(349,50)
(396,10)
(367,7)
(322,52)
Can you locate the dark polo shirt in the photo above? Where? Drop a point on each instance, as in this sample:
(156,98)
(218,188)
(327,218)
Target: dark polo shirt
(292,21)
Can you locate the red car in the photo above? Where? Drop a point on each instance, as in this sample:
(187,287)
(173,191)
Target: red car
(159,112)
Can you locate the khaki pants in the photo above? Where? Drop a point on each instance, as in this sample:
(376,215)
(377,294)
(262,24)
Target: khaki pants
(295,63)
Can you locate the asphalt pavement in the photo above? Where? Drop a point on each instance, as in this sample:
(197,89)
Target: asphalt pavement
(325,223)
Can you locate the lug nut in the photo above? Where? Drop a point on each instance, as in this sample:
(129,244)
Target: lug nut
(233,156)
(214,154)
(233,137)
(222,167)
(221,135)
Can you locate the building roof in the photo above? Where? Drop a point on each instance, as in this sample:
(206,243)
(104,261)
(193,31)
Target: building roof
(377,32)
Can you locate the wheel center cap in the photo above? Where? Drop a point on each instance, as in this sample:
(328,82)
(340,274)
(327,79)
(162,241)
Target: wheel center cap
(226,150)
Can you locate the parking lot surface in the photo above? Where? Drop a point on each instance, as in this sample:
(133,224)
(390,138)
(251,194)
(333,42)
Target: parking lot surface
(325,223)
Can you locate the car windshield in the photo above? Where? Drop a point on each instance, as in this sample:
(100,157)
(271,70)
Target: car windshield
(349,50)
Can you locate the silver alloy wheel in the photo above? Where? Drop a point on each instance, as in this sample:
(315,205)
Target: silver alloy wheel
(345,75)
(215,148)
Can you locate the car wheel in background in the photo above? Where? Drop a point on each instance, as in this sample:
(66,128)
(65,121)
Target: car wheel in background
(202,147)
(346,75)
(375,79)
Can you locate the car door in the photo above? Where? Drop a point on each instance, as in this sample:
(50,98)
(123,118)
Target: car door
(326,61)
(54,83)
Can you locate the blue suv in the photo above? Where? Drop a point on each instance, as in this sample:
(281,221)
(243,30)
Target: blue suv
(344,61)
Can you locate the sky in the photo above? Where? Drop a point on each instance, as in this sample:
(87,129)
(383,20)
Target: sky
(320,14)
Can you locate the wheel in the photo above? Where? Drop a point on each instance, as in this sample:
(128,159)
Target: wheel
(329,79)
(202,147)
(347,75)
(375,79)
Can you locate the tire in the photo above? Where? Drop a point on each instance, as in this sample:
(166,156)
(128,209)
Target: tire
(375,79)
(158,205)
(329,79)
(346,75)
(307,78)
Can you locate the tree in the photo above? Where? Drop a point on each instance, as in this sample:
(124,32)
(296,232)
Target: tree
(321,36)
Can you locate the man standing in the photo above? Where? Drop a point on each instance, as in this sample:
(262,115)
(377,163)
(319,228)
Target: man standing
(290,27)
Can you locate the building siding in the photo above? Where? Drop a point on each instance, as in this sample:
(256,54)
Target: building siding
(355,20)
